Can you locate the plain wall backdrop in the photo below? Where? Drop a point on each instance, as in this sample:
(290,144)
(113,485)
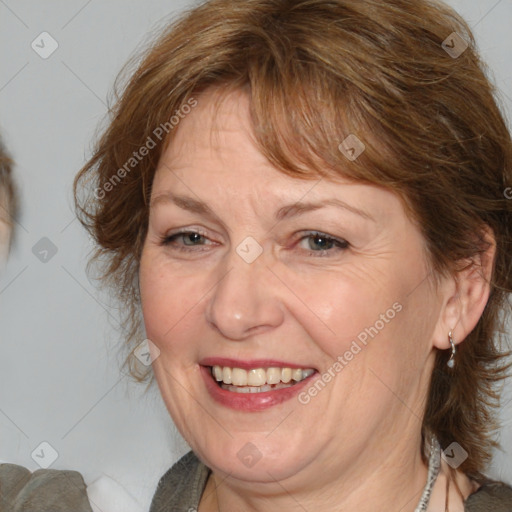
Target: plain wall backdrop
(60,364)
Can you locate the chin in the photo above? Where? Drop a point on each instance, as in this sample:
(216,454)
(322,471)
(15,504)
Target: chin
(253,458)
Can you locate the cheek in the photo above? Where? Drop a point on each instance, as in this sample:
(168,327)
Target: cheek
(174,300)
(338,307)
(168,301)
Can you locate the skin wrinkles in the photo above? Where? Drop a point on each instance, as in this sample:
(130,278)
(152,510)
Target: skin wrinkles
(289,305)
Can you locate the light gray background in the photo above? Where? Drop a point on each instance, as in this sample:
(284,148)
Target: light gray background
(59,366)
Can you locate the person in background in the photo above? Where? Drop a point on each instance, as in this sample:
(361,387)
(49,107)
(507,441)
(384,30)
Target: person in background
(44,490)
(8,203)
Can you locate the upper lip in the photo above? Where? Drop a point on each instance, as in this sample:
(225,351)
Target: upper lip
(250,364)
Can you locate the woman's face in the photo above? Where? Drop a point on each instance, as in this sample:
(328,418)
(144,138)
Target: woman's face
(245,268)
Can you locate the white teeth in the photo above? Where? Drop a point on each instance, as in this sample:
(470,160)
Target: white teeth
(297,374)
(217,373)
(238,377)
(251,389)
(286,375)
(273,376)
(258,380)
(257,377)
(226,375)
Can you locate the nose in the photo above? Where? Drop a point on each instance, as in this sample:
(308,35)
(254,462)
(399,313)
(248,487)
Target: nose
(245,301)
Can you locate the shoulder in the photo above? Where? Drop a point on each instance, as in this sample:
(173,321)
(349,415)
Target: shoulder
(491,495)
(181,487)
(43,490)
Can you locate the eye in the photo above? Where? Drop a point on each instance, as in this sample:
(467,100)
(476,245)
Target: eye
(322,243)
(186,240)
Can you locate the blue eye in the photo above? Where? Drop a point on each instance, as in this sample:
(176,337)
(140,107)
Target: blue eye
(192,238)
(185,239)
(322,243)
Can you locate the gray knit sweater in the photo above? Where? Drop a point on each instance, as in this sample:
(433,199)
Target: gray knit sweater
(180,489)
(44,490)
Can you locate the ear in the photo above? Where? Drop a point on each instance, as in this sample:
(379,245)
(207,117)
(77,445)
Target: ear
(465,295)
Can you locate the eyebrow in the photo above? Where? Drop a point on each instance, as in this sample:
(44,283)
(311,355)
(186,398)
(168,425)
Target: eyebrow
(291,210)
(301,208)
(185,203)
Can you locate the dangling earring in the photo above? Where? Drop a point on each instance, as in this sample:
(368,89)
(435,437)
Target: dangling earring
(451,361)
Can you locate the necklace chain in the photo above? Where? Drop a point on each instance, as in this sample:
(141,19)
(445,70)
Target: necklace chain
(434,464)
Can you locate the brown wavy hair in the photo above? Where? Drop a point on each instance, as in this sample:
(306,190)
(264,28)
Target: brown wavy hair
(316,71)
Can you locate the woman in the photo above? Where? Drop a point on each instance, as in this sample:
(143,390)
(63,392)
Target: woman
(311,219)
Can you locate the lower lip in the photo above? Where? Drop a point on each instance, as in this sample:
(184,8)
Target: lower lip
(250,402)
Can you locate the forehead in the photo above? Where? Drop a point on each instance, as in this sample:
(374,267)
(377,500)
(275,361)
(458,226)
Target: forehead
(214,157)
(215,142)
(218,125)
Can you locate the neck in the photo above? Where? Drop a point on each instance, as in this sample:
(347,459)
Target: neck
(374,482)
(452,488)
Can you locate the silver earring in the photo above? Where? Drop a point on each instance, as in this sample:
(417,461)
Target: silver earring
(451,361)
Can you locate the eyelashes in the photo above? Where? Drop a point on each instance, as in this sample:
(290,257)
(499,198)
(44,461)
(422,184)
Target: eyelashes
(189,238)
(313,243)
(188,241)
(321,242)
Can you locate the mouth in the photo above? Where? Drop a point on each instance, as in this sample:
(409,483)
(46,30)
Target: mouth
(253,385)
(258,380)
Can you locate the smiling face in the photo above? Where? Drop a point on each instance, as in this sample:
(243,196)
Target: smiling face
(245,268)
